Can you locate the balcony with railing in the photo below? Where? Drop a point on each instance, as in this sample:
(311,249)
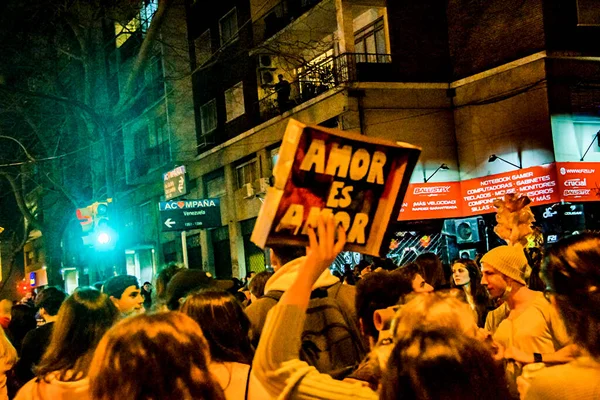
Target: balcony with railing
(318,78)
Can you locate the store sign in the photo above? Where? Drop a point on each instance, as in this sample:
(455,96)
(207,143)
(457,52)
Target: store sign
(432,200)
(476,196)
(538,183)
(174,183)
(190,214)
(579,181)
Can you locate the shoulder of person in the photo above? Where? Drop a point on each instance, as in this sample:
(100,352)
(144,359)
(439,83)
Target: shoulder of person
(495,317)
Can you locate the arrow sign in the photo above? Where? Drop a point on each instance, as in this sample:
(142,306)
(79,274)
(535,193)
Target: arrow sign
(183,215)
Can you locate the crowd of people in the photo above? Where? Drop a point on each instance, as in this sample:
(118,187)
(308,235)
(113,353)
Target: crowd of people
(475,330)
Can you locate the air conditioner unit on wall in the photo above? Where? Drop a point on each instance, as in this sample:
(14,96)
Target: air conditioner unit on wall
(266,76)
(265,61)
(248,190)
(264,183)
(467,230)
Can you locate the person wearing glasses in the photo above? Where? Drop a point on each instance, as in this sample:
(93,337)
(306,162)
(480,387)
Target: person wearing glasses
(571,272)
(525,325)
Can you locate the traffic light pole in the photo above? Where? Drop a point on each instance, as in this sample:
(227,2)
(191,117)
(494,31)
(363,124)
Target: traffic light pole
(184,249)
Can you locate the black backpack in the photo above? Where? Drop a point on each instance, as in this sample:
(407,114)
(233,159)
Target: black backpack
(331,341)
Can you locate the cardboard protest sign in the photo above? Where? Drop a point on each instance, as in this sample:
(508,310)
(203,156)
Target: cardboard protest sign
(360,180)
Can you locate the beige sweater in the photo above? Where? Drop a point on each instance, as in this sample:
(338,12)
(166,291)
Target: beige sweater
(577,380)
(283,375)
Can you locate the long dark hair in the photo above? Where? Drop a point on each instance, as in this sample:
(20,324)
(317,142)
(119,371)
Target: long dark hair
(82,320)
(442,363)
(478,291)
(571,272)
(224,323)
(153,356)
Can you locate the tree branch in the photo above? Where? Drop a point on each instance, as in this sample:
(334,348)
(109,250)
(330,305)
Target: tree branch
(21,202)
(142,56)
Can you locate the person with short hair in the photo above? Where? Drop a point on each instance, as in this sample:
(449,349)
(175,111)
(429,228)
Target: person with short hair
(257,285)
(432,270)
(571,271)
(526,325)
(287,261)
(281,372)
(411,279)
(124,292)
(153,356)
(83,318)
(35,343)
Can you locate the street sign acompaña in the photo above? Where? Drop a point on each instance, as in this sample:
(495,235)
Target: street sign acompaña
(190,214)
(174,183)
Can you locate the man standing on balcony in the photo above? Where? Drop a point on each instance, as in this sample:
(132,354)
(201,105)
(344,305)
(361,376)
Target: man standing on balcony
(283,89)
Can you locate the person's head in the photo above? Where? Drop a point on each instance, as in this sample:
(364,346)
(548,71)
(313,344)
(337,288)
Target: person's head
(22,321)
(434,363)
(432,269)
(281,255)
(6,308)
(147,286)
(571,271)
(504,269)
(224,323)
(49,301)
(411,279)
(443,309)
(377,290)
(257,284)
(83,318)
(184,282)
(153,356)
(162,279)
(124,291)
(280,77)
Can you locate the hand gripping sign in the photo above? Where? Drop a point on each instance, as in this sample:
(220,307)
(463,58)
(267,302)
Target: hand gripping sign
(360,180)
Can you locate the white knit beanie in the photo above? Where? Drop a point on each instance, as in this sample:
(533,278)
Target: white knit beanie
(509,260)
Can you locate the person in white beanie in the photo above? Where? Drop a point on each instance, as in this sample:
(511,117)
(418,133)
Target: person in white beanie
(525,325)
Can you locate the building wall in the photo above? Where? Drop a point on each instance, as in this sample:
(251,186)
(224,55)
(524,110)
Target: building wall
(419,40)
(485,34)
(506,114)
(419,114)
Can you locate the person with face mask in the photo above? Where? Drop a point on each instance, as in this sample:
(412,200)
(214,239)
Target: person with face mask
(466,276)
(525,325)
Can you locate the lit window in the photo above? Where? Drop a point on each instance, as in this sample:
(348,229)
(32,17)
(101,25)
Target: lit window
(234,101)
(124,32)
(203,48)
(228,27)
(147,12)
(208,117)
(369,43)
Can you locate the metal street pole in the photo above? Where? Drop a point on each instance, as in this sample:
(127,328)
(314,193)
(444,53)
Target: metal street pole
(184,249)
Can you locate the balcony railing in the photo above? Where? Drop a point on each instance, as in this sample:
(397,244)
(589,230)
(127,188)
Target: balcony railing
(279,17)
(327,74)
